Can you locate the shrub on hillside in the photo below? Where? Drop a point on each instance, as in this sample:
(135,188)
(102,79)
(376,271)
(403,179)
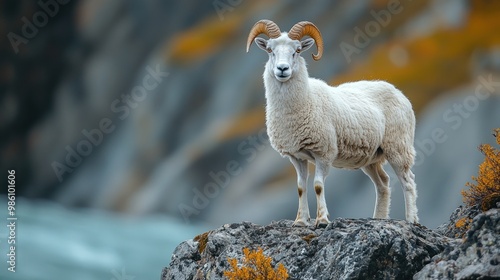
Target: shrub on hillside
(485,192)
(256,266)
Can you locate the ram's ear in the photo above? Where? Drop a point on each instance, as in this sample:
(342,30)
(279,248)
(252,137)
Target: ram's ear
(306,44)
(261,43)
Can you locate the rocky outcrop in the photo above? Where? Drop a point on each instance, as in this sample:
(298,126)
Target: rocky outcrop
(478,257)
(345,249)
(353,249)
(459,222)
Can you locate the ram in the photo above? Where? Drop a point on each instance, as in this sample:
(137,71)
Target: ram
(358,125)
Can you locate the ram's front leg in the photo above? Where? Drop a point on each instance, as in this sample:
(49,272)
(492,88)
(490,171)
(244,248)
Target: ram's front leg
(322,215)
(303,216)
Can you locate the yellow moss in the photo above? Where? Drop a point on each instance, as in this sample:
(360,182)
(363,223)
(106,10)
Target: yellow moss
(462,222)
(485,192)
(309,237)
(256,266)
(202,240)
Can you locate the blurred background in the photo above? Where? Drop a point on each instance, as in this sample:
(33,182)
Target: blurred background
(135,125)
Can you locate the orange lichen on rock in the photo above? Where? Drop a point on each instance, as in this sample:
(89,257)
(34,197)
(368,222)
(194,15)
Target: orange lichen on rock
(256,266)
(244,124)
(462,222)
(485,193)
(433,63)
(202,240)
(203,39)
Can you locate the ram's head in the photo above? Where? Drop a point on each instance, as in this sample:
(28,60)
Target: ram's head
(285,48)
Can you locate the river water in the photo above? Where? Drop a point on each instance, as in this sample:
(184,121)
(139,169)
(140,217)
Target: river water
(53,242)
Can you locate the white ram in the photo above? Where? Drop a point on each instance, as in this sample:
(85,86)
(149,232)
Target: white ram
(354,125)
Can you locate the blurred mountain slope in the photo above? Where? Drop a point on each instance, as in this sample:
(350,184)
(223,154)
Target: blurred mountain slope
(427,66)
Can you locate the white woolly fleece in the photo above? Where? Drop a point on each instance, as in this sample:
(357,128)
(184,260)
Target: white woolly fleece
(348,126)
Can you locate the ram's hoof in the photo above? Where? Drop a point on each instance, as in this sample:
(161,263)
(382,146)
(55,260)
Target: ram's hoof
(300,223)
(321,222)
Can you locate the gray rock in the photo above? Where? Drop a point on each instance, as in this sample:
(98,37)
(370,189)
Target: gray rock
(478,257)
(345,249)
(464,213)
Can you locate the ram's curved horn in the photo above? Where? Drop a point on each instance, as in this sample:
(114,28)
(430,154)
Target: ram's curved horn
(304,28)
(263,26)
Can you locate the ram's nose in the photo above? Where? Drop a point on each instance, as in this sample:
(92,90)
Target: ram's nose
(282,67)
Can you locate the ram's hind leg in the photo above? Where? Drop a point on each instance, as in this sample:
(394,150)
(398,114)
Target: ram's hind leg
(401,160)
(303,216)
(381,181)
(407,179)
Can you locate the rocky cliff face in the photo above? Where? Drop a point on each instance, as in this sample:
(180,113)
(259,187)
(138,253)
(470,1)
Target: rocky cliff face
(477,257)
(348,249)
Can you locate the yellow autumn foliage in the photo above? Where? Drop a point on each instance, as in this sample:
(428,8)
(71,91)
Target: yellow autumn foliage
(435,62)
(203,39)
(256,266)
(485,192)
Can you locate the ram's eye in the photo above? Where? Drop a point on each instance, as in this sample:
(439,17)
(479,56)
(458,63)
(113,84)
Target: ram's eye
(269,50)
(297,51)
